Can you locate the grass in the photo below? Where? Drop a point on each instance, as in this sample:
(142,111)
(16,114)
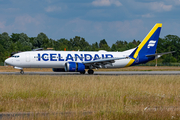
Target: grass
(106,97)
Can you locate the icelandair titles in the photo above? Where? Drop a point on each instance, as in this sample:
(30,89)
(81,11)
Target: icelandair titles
(69,57)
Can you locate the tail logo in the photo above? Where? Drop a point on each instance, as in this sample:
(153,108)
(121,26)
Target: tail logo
(151,44)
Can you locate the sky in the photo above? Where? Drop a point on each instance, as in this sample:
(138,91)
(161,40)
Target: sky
(93,20)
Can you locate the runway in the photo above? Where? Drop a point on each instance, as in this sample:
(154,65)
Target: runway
(98,73)
(25,115)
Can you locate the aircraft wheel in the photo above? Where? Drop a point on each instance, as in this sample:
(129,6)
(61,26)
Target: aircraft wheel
(90,71)
(83,72)
(22,72)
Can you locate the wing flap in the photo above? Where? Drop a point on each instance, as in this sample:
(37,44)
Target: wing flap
(111,60)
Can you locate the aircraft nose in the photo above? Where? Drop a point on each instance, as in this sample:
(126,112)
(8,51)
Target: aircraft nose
(8,61)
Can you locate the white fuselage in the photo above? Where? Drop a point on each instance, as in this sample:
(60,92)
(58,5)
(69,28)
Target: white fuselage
(57,59)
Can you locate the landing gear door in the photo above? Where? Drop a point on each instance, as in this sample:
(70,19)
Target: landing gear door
(27,57)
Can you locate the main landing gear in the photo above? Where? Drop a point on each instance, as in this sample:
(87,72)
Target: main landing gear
(90,71)
(21,71)
(83,72)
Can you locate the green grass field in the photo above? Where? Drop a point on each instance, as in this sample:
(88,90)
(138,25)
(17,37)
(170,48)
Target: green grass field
(106,97)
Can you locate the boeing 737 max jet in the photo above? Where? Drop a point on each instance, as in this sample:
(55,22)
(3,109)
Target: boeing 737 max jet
(78,61)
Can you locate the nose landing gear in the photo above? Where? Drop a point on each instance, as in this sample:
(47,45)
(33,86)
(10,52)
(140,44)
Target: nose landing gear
(21,71)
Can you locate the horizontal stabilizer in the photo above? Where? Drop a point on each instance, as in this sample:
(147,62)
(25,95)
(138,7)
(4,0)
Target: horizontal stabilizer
(158,55)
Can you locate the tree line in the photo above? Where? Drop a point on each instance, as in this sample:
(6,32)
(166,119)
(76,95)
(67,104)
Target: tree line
(21,42)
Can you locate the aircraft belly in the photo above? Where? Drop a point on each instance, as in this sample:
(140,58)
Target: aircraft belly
(50,64)
(43,64)
(120,63)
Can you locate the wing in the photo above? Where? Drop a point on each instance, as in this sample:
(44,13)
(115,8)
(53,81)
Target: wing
(100,63)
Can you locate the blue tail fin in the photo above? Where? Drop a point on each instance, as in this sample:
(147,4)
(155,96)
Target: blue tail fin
(147,47)
(149,44)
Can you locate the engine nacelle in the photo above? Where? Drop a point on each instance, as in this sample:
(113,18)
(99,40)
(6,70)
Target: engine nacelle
(74,67)
(58,69)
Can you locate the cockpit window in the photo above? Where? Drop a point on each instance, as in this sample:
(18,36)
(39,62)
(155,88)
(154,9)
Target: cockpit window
(15,56)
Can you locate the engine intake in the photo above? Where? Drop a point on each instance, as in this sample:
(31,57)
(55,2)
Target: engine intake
(74,67)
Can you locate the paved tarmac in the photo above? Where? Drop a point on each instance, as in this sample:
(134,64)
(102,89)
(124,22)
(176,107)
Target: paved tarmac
(34,115)
(98,73)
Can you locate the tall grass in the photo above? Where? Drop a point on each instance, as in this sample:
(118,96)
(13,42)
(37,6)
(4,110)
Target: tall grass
(106,97)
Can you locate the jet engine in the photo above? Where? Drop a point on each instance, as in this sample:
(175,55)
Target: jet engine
(58,69)
(74,67)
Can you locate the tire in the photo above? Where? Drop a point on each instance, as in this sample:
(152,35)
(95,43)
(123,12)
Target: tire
(22,72)
(90,72)
(83,72)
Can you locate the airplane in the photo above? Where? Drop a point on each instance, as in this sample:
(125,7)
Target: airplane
(79,61)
